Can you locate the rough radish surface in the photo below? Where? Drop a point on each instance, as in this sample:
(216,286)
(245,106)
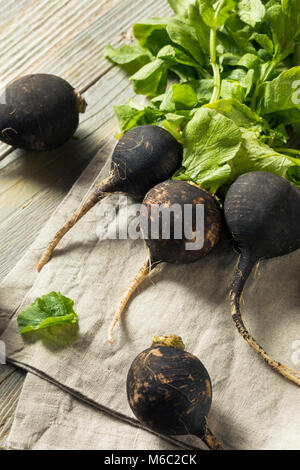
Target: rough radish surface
(38,112)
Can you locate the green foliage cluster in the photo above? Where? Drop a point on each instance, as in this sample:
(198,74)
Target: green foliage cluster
(224,78)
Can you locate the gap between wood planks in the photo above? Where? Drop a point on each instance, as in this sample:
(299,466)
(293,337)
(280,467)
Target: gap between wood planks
(2,380)
(29,48)
(81,91)
(24,178)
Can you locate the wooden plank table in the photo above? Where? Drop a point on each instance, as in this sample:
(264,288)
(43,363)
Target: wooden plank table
(66,38)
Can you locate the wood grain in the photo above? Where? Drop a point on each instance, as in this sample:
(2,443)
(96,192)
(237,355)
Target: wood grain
(31,174)
(11,9)
(71,42)
(58,175)
(11,382)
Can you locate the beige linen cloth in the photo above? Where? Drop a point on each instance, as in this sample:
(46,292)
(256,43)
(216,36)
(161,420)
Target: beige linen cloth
(75,397)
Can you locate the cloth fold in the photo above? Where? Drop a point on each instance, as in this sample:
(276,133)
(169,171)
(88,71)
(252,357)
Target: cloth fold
(49,419)
(253,408)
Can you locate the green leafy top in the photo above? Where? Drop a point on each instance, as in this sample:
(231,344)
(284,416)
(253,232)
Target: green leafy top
(236,64)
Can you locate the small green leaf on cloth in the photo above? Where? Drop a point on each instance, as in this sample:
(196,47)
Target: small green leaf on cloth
(50,310)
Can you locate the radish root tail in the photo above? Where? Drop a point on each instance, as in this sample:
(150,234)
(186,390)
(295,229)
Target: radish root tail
(142,273)
(244,268)
(210,439)
(92,200)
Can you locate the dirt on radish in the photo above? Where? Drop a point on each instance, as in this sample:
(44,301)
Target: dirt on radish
(39,112)
(173,249)
(169,391)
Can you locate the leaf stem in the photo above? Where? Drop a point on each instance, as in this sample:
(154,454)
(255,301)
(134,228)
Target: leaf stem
(217,87)
(213,54)
(288,150)
(263,79)
(280,155)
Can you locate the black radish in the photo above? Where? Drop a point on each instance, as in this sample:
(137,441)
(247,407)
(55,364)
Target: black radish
(262,212)
(170,392)
(143,157)
(176,246)
(39,112)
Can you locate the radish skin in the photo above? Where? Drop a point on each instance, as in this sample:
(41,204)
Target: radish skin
(173,250)
(144,156)
(169,391)
(262,212)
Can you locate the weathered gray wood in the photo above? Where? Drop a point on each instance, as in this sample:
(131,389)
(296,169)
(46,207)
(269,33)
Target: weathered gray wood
(11,382)
(24,178)
(42,28)
(80,60)
(26,221)
(68,38)
(10,9)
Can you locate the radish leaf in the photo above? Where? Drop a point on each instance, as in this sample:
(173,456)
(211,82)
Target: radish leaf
(50,310)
